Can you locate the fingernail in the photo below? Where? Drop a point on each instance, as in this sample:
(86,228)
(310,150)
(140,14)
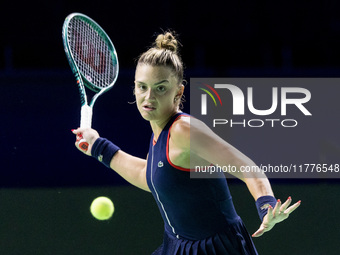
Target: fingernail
(299,201)
(270,207)
(289,198)
(278,200)
(72,130)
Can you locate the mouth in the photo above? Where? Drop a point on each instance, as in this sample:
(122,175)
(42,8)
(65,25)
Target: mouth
(148,108)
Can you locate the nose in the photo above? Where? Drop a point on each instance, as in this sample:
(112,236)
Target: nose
(149,94)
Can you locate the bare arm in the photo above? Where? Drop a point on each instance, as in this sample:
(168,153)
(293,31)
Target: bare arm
(132,169)
(207,145)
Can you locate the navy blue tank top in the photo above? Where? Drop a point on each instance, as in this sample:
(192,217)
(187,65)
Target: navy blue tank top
(191,208)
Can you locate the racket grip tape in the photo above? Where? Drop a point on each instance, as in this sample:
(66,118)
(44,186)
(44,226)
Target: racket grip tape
(86,116)
(85,122)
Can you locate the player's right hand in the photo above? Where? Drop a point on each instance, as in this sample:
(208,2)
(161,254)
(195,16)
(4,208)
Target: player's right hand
(85,138)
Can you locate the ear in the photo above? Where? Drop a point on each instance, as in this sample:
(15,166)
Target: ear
(180,91)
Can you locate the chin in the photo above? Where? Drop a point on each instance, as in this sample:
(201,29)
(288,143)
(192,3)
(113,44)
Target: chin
(147,116)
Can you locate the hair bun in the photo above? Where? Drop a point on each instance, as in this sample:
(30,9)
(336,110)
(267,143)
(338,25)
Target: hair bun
(166,41)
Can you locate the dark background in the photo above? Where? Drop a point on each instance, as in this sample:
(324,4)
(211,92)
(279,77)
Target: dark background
(47,185)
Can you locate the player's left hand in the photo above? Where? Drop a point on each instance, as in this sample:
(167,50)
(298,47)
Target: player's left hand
(275,215)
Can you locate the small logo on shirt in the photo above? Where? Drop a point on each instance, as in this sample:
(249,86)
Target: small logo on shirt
(160,164)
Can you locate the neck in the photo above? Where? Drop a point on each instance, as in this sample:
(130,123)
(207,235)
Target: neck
(158,125)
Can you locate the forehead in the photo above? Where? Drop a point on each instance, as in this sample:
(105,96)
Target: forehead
(153,74)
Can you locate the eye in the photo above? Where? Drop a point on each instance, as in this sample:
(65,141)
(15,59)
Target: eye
(161,88)
(142,87)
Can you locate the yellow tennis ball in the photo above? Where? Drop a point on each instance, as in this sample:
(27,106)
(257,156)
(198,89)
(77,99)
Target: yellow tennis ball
(102,208)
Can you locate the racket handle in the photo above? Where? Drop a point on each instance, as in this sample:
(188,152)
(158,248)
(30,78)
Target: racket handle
(85,122)
(83,145)
(86,116)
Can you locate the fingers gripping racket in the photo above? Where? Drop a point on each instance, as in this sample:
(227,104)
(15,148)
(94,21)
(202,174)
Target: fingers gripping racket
(93,60)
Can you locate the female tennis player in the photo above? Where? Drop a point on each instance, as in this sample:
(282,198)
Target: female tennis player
(198,213)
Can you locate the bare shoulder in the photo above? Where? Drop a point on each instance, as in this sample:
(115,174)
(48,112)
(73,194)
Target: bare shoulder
(180,129)
(186,127)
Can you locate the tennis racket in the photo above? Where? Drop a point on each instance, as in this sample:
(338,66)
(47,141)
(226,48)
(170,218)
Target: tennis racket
(93,60)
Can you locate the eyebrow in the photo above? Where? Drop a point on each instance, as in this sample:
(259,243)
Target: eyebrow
(157,83)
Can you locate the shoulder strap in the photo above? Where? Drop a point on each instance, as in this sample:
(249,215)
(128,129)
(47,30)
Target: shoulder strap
(173,118)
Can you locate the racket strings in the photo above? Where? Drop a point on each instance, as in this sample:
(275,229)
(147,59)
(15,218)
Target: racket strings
(91,53)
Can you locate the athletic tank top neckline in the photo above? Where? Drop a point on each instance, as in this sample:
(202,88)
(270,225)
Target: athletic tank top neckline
(167,126)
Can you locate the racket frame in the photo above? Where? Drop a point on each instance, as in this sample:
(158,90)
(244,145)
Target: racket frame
(82,81)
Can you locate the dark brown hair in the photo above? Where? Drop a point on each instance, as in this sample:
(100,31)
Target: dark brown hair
(164,52)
